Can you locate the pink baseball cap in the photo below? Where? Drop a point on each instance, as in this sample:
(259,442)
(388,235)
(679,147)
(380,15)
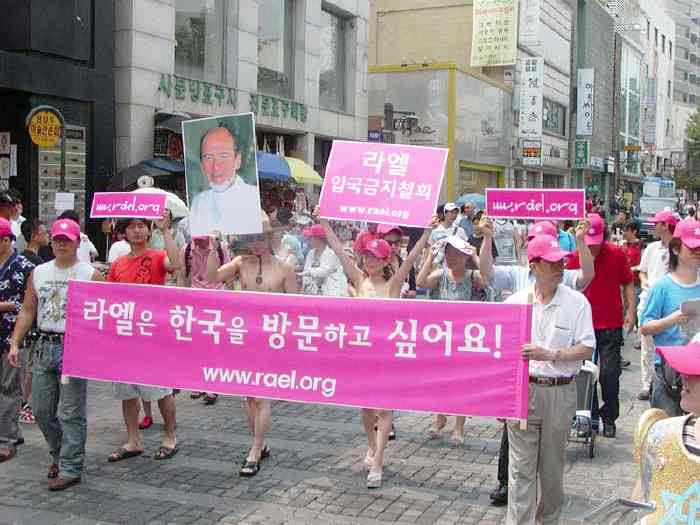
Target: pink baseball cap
(667,217)
(683,359)
(315,231)
(386,229)
(545,247)
(65,228)
(688,231)
(596,229)
(6,229)
(379,248)
(542,228)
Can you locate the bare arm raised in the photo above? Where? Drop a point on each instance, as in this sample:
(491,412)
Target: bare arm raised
(349,267)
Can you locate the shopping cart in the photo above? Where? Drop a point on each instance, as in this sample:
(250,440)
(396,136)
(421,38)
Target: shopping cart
(582,430)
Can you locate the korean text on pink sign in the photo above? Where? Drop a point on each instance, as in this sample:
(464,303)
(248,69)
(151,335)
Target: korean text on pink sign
(450,358)
(535,204)
(385,183)
(107,205)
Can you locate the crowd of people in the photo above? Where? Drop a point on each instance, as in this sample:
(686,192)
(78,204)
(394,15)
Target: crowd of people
(587,288)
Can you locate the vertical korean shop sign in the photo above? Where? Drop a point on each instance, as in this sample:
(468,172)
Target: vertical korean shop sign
(582,154)
(494,33)
(531,81)
(584,102)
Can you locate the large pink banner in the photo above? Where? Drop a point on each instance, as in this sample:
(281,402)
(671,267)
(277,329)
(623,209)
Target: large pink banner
(385,183)
(445,357)
(127,205)
(535,204)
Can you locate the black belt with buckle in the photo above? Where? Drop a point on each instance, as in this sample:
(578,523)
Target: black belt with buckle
(551,381)
(54,337)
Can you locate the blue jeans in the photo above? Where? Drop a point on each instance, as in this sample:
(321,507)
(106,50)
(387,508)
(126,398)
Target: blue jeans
(59,409)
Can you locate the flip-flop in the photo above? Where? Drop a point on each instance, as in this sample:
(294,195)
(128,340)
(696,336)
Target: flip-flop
(165,452)
(249,469)
(123,454)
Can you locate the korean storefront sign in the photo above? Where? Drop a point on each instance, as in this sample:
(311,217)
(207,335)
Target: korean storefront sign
(582,154)
(494,33)
(45,128)
(386,183)
(197,91)
(273,107)
(530,23)
(443,357)
(584,102)
(532,152)
(531,90)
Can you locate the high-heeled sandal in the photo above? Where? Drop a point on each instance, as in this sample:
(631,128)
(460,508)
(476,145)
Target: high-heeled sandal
(374,480)
(369,459)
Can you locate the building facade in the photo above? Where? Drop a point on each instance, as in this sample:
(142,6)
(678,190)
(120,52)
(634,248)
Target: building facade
(657,112)
(424,92)
(299,65)
(593,161)
(58,54)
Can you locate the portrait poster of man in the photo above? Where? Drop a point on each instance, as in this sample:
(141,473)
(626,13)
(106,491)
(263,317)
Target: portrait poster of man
(222,175)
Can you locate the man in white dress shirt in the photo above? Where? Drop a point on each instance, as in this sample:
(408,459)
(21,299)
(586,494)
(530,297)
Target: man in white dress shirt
(562,336)
(230,205)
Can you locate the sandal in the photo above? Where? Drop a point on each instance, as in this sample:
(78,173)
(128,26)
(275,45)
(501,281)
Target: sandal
(165,452)
(210,399)
(146,422)
(53,471)
(123,454)
(374,480)
(369,459)
(249,469)
(440,422)
(392,433)
(196,395)
(457,440)
(6,454)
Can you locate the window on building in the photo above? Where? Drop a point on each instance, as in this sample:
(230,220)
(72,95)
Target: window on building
(333,52)
(668,127)
(200,39)
(691,99)
(656,37)
(685,97)
(685,76)
(648,30)
(669,90)
(276,47)
(686,54)
(663,43)
(553,117)
(670,49)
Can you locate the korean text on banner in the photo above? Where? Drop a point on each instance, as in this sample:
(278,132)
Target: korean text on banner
(531,98)
(107,205)
(585,101)
(385,183)
(535,204)
(451,358)
(494,33)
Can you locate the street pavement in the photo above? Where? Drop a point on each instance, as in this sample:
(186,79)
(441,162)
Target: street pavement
(314,476)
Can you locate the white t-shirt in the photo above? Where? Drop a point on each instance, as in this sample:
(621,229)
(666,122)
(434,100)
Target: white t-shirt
(504,233)
(86,249)
(118,249)
(51,285)
(654,263)
(567,320)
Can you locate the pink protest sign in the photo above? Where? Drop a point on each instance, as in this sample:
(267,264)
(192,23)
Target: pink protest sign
(509,203)
(385,183)
(108,205)
(445,357)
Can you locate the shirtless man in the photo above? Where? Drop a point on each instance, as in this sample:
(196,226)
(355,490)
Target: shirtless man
(259,272)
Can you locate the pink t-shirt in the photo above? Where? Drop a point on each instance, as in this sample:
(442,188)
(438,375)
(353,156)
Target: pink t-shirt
(198,267)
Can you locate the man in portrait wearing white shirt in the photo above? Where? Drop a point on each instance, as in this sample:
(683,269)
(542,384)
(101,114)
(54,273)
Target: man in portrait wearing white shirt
(230,205)
(562,336)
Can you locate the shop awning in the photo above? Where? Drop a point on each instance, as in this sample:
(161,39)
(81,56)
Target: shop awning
(272,167)
(303,173)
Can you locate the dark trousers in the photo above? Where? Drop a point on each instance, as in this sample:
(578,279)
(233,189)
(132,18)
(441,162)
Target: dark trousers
(608,347)
(503,457)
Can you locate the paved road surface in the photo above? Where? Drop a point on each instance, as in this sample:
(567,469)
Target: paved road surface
(314,476)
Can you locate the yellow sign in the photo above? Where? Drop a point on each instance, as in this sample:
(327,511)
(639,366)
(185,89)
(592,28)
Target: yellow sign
(45,129)
(494,33)
(633,148)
